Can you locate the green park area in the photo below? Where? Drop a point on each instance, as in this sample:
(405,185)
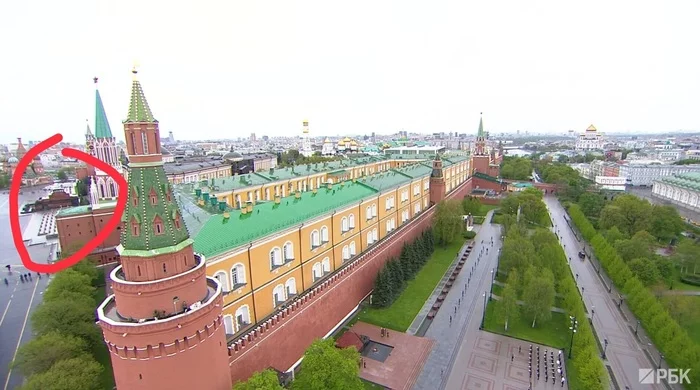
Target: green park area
(533,277)
(401,312)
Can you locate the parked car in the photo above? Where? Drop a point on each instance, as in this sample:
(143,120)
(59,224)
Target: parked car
(582,255)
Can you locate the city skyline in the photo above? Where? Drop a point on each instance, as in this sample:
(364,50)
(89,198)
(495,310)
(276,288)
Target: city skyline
(224,71)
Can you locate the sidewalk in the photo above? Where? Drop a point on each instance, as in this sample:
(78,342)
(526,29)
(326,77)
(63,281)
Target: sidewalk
(625,354)
(449,326)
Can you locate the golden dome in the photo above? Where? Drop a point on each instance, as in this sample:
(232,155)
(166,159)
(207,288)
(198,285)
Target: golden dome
(353,143)
(591,128)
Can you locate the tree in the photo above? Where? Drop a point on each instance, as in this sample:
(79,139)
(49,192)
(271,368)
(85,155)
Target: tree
(687,255)
(61,175)
(81,373)
(327,367)
(87,268)
(591,204)
(261,380)
(448,222)
(681,308)
(39,354)
(539,299)
(383,293)
(397,275)
(666,223)
(471,205)
(516,168)
(613,235)
(508,309)
(645,270)
(69,281)
(72,316)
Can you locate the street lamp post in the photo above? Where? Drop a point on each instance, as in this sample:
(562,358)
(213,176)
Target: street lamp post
(491,289)
(573,328)
(483,315)
(636,328)
(605,348)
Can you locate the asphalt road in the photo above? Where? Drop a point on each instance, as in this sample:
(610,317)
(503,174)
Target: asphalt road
(17,300)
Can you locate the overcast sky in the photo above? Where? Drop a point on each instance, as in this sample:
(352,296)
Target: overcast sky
(228,68)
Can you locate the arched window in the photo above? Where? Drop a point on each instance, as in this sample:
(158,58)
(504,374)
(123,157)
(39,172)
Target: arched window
(276,257)
(228,325)
(135,228)
(317,271)
(223,280)
(324,234)
(344,225)
(158,226)
(326,263)
(368,212)
(291,286)
(315,239)
(351,221)
(153,196)
(288,251)
(369,238)
(242,317)
(353,250)
(238,275)
(278,296)
(346,252)
(374,210)
(375,236)
(388,226)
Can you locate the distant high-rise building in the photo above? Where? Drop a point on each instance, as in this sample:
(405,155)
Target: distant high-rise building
(252,137)
(171,137)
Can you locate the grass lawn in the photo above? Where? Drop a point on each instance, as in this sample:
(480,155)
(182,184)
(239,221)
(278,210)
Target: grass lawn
(100,351)
(485,208)
(690,317)
(403,311)
(554,332)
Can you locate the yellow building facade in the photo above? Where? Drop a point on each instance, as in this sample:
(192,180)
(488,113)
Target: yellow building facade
(268,272)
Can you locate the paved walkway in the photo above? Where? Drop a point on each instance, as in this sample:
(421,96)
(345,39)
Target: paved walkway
(428,305)
(625,355)
(461,314)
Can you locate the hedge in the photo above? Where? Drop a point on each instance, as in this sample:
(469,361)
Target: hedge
(679,350)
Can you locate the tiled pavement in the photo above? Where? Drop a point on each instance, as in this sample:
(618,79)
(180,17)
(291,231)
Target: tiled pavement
(462,310)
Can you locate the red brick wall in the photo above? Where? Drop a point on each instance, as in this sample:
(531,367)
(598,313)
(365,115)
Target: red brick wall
(281,341)
(74,232)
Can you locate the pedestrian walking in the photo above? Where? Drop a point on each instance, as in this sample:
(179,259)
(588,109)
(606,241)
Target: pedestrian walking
(450,320)
(519,347)
(564,380)
(511,358)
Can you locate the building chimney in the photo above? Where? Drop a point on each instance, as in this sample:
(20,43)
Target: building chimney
(249,206)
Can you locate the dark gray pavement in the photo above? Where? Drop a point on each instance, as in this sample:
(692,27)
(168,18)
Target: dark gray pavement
(625,354)
(17,299)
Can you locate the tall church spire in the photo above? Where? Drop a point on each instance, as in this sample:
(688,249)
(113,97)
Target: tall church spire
(102,129)
(480,144)
(480,133)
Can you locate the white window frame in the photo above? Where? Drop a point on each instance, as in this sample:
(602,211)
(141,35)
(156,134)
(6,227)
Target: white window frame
(238,269)
(223,280)
(278,288)
(326,265)
(375,235)
(344,227)
(291,282)
(229,326)
(288,253)
(416,190)
(243,311)
(315,239)
(369,238)
(353,249)
(374,210)
(317,271)
(276,257)
(346,252)
(351,221)
(324,235)
(368,212)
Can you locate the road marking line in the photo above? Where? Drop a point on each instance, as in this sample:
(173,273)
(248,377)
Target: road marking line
(5,312)
(24,326)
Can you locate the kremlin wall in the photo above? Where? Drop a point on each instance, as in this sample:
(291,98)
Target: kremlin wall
(233,275)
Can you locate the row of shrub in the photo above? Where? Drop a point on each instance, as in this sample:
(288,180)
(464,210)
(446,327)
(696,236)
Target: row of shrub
(669,337)
(392,278)
(62,354)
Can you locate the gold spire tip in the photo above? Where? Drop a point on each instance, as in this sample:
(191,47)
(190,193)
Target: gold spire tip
(94,80)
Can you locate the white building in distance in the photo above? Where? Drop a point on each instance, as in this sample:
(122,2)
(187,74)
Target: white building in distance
(591,139)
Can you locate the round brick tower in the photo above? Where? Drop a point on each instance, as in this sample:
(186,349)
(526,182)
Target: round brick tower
(163,325)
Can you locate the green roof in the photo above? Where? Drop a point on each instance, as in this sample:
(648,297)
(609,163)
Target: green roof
(144,182)
(219,234)
(418,170)
(689,180)
(386,180)
(139,111)
(70,211)
(102,129)
(230,183)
